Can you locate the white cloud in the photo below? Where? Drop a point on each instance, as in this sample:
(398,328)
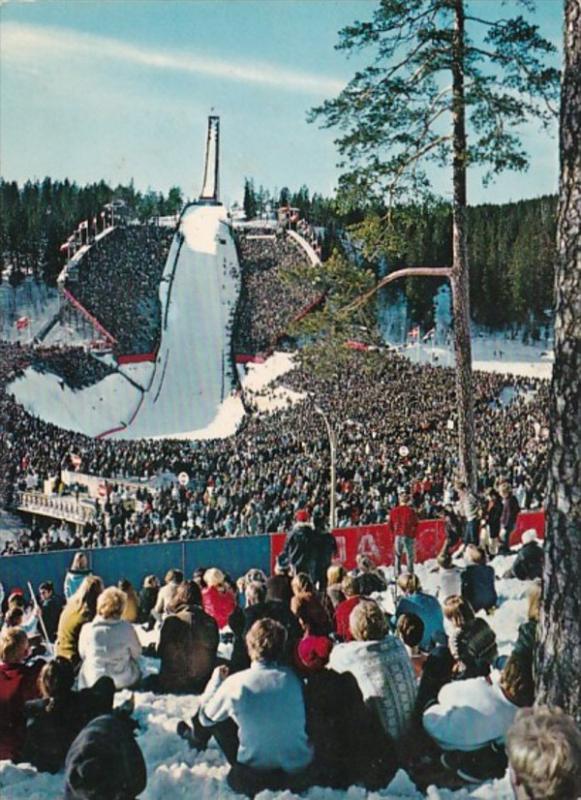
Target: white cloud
(25,42)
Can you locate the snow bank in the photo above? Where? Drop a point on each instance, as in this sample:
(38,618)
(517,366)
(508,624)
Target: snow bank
(176,772)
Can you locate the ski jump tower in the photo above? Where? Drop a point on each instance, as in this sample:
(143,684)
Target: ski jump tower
(210,186)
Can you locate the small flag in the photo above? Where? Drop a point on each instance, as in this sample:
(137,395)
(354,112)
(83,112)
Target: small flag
(64,247)
(22,323)
(414,333)
(84,225)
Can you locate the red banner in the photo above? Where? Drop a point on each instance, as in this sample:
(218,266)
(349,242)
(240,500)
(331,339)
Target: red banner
(377,540)
(136,358)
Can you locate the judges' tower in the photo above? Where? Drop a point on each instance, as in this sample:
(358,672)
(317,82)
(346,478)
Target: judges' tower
(210,185)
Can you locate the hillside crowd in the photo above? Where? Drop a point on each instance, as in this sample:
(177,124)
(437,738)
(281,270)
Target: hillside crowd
(269,299)
(117,281)
(276,463)
(309,677)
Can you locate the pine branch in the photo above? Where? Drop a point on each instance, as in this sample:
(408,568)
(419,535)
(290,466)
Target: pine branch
(407,272)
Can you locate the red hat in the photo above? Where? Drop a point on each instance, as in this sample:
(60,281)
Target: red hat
(314,651)
(302,515)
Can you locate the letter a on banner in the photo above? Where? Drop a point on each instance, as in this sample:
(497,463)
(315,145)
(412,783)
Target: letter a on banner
(368,546)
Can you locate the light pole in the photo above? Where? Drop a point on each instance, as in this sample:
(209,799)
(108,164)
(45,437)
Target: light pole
(331,433)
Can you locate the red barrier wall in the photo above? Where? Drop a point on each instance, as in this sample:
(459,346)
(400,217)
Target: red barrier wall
(93,320)
(136,358)
(377,540)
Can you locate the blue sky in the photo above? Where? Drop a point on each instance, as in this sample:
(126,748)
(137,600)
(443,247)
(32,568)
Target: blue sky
(121,89)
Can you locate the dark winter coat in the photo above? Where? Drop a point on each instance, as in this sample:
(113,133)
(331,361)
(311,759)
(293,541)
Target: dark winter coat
(147,601)
(241,620)
(478,586)
(52,725)
(526,640)
(528,565)
(493,517)
(301,549)
(51,610)
(510,511)
(18,684)
(278,587)
(188,642)
(105,762)
(350,743)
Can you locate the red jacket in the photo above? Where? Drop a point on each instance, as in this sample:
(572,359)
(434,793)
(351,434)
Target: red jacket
(18,683)
(218,604)
(342,613)
(403,521)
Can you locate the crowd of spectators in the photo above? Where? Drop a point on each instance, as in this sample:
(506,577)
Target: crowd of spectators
(75,366)
(269,299)
(117,281)
(254,481)
(330,682)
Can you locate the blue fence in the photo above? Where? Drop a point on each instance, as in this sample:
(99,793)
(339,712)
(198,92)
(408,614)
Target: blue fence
(134,562)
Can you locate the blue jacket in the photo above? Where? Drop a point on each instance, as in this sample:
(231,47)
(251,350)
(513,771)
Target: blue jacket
(429,610)
(478,586)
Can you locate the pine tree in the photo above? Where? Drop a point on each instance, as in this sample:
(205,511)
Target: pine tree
(559,651)
(427,71)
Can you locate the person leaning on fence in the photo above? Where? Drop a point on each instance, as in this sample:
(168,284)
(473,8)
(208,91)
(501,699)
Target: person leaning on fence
(258,718)
(404,525)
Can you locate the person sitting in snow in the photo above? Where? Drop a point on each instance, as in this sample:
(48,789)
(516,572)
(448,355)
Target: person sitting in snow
(258,718)
(471,718)
(18,683)
(544,755)
(425,606)
(528,564)
(478,580)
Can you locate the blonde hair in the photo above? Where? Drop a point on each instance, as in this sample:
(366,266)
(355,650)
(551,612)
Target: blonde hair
(266,640)
(302,584)
(80,562)
(475,554)
(534,598)
(335,574)
(13,645)
(516,681)
(458,610)
(85,598)
(214,577)
(367,622)
(544,752)
(409,583)
(111,603)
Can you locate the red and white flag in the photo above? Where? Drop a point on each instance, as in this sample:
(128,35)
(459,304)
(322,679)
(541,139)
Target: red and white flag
(22,323)
(63,247)
(429,335)
(414,333)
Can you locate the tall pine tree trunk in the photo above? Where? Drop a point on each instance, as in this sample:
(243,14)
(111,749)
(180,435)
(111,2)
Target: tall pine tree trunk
(559,651)
(459,277)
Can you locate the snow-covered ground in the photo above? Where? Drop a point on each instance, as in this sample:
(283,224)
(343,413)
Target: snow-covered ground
(174,771)
(37,301)
(489,354)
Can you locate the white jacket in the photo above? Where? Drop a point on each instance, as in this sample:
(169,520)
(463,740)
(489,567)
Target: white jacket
(109,647)
(469,715)
(266,701)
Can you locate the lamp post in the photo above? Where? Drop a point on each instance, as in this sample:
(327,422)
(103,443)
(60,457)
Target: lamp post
(331,433)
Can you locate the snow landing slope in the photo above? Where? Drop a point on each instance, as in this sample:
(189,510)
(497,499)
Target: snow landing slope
(183,391)
(199,290)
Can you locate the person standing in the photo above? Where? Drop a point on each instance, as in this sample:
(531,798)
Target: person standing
(51,606)
(403,521)
(510,511)
(468,507)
